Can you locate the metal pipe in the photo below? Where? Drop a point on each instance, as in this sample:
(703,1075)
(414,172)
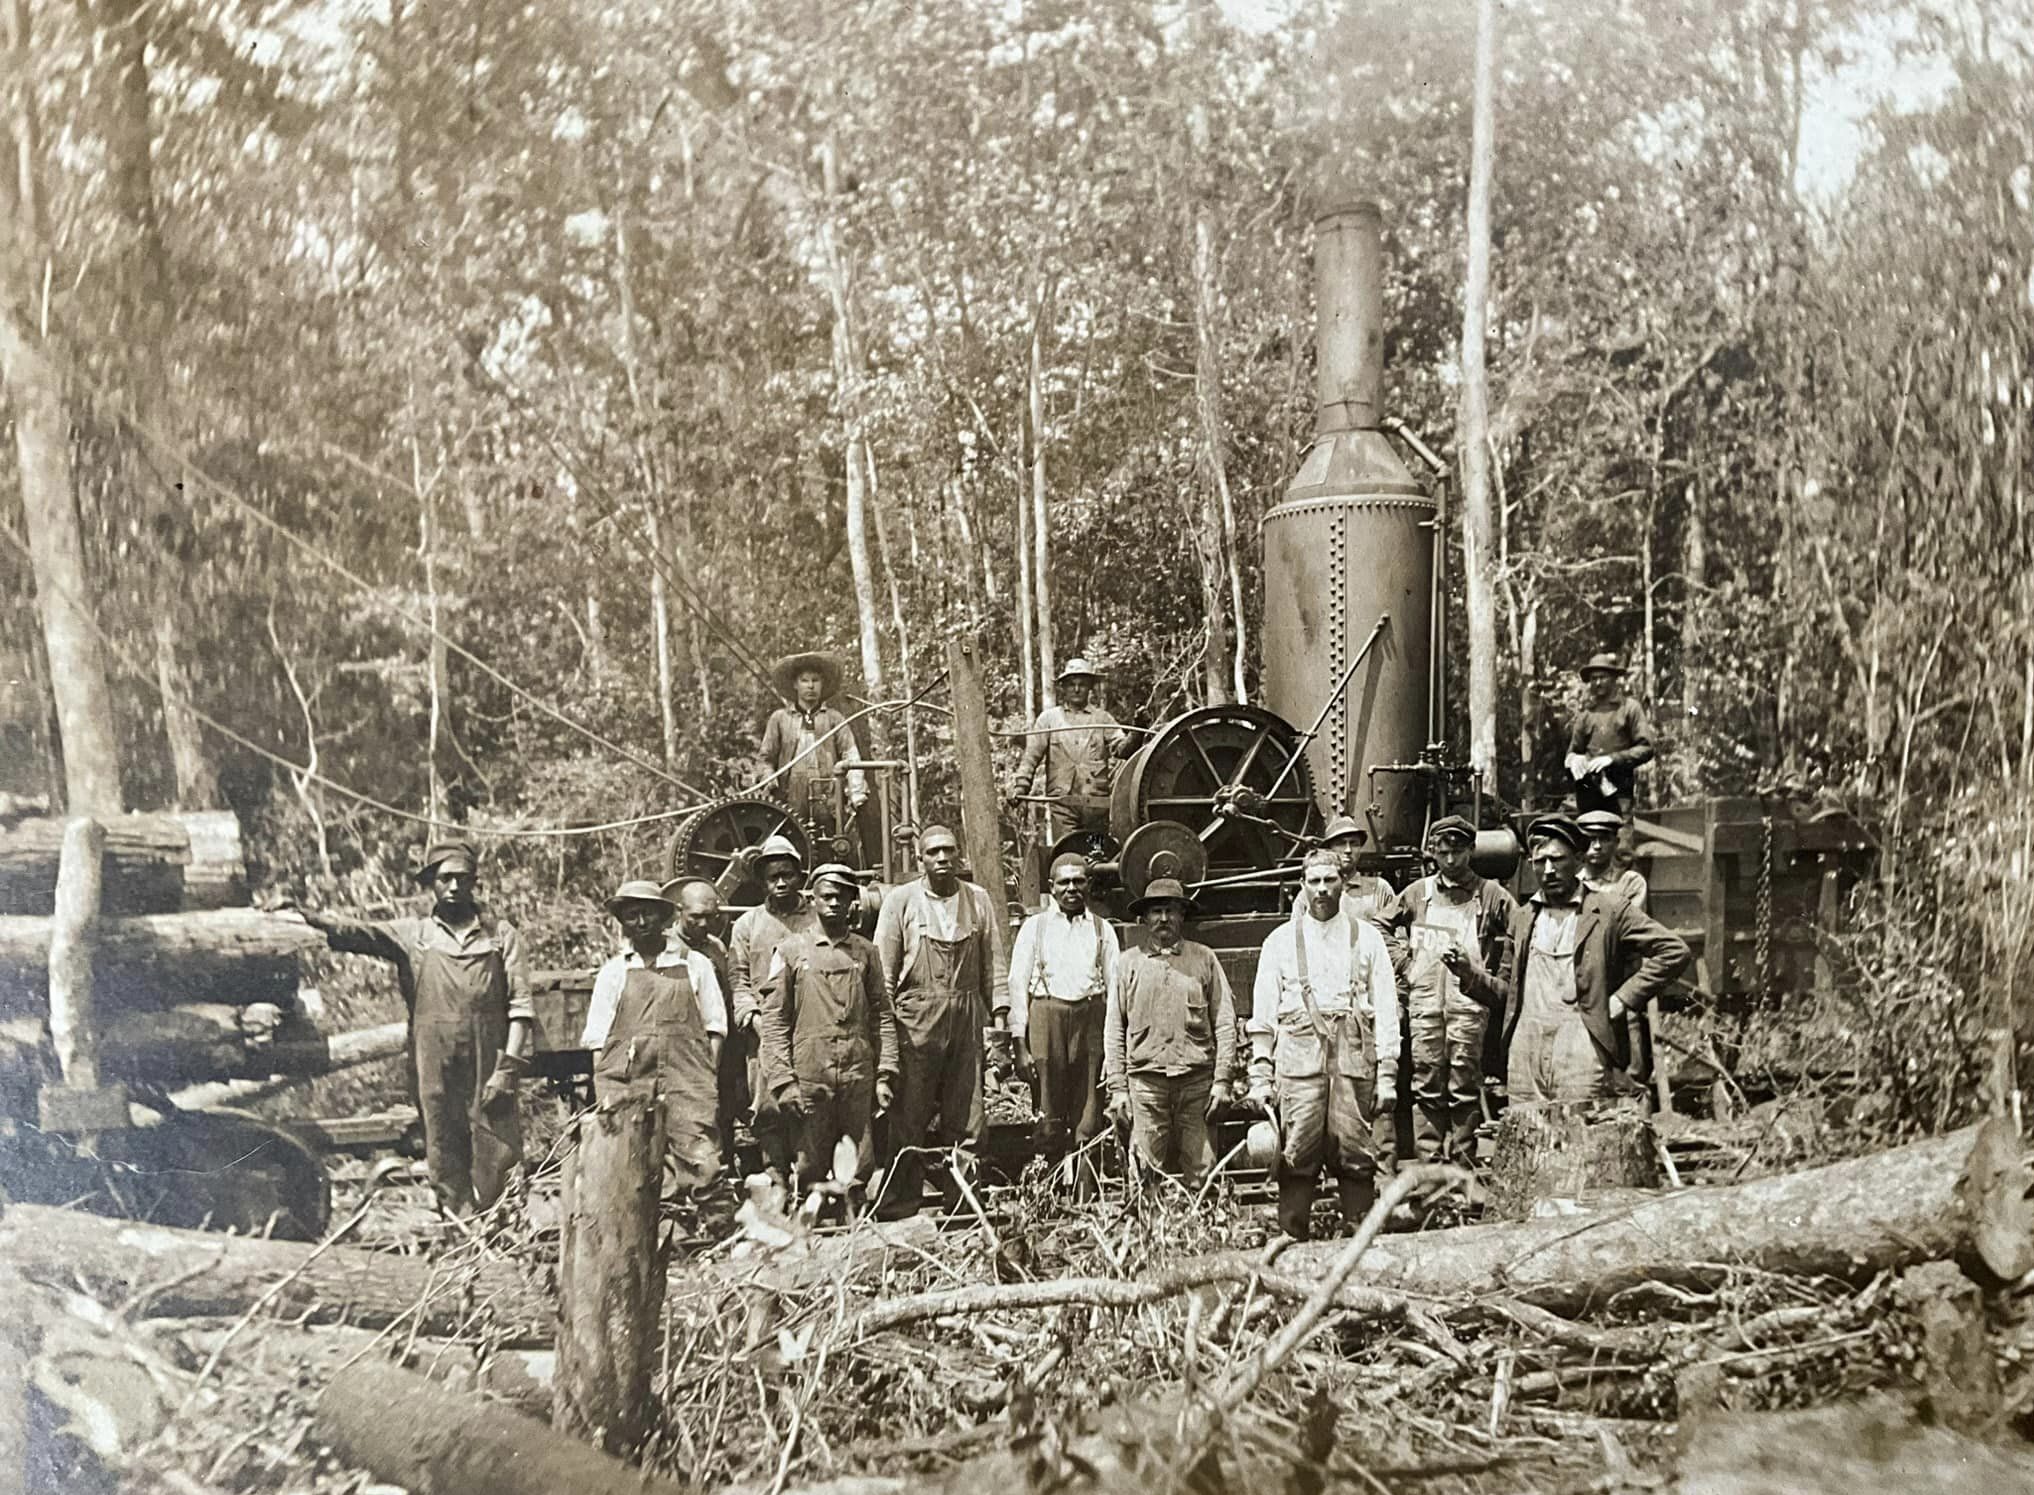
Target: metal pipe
(1348,317)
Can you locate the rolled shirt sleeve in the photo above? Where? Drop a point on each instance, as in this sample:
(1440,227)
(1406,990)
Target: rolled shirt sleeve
(1023,955)
(1225,1021)
(1383,1003)
(607,988)
(520,1007)
(706,991)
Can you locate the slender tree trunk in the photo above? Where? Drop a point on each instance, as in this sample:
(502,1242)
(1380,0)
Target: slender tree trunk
(1026,638)
(1695,590)
(1041,528)
(1529,702)
(1214,425)
(660,634)
(1473,416)
(596,639)
(77,663)
(909,808)
(434,645)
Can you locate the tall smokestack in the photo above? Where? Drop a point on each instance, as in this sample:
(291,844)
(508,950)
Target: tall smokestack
(1351,543)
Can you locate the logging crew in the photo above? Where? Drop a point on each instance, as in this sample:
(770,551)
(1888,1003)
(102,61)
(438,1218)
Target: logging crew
(752,947)
(656,1023)
(699,925)
(1601,859)
(1169,1038)
(1609,739)
(933,935)
(1324,1046)
(1363,895)
(470,1024)
(1447,934)
(803,741)
(1074,741)
(1062,970)
(829,1041)
(1579,961)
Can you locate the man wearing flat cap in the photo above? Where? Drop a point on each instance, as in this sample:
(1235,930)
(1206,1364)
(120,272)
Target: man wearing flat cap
(1169,1039)
(1074,742)
(751,952)
(933,934)
(1608,740)
(656,1023)
(1601,867)
(1062,969)
(1578,962)
(470,1024)
(1324,1046)
(805,739)
(829,1041)
(1450,927)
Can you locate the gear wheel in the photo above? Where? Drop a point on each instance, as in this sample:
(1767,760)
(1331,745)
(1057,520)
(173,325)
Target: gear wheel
(716,842)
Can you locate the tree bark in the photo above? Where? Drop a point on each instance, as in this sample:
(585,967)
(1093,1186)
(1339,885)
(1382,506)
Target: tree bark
(77,662)
(342,1050)
(1214,424)
(192,1043)
(73,1026)
(1560,1152)
(980,828)
(660,634)
(521,1378)
(610,1275)
(207,1275)
(155,864)
(234,955)
(1473,414)
(1027,637)
(430,1440)
(1041,525)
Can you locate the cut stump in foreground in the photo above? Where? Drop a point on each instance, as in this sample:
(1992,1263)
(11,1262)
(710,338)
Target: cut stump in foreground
(1569,1152)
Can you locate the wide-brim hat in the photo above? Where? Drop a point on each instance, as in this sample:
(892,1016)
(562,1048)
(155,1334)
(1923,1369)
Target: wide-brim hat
(1560,827)
(1077,668)
(1602,664)
(440,852)
(1163,890)
(1600,822)
(785,672)
(638,890)
(777,848)
(1452,828)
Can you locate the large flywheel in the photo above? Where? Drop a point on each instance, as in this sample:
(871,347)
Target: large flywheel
(718,841)
(1233,775)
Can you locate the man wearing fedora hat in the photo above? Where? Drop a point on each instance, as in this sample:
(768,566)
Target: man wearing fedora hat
(751,950)
(1169,1037)
(1324,1046)
(656,1023)
(1363,895)
(470,1024)
(1074,741)
(933,936)
(804,740)
(1608,740)
(1448,931)
(1579,961)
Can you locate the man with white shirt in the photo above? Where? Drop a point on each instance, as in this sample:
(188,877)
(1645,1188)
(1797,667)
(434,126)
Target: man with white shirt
(933,936)
(1580,961)
(1062,970)
(656,1023)
(1324,1046)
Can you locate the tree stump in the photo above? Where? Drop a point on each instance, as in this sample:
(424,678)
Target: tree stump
(610,1274)
(1569,1152)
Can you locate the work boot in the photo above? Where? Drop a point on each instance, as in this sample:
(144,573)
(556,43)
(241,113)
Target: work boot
(1296,1206)
(1357,1189)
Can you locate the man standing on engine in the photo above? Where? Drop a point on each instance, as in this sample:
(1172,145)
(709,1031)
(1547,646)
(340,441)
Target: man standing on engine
(1611,736)
(803,741)
(1075,742)
(1324,1046)
(1449,931)
(471,1024)
(933,936)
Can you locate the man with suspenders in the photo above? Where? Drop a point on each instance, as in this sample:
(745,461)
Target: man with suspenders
(933,935)
(1062,971)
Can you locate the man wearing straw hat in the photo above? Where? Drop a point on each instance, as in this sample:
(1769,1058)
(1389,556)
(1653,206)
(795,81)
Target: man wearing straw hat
(1608,740)
(1324,1046)
(470,1024)
(1074,741)
(656,1023)
(804,740)
(1169,1039)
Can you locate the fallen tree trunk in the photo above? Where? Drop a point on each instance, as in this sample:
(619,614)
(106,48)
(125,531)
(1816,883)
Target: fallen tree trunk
(522,1378)
(237,955)
(200,1041)
(1846,1220)
(344,1051)
(412,1432)
(195,1274)
(155,863)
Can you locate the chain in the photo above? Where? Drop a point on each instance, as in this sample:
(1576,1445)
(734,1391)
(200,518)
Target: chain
(1765,910)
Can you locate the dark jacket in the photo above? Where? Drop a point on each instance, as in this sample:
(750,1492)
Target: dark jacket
(1495,908)
(1619,952)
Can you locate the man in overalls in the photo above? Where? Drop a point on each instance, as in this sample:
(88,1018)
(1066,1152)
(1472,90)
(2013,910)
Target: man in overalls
(933,935)
(1324,1041)
(470,1024)
(751,949)
(1169,1038)
(699,925)
(829,1043)
(1450,928)
(656,1024)
(1062,970)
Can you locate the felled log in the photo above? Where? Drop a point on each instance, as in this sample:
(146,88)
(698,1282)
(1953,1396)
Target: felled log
(201,1275)
(1843,1450)
(522,1378)
(199,1041)
(1847,1220)
(1569,1152)
(235,955)
(342,1050)
(430,1440)
(155,863)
